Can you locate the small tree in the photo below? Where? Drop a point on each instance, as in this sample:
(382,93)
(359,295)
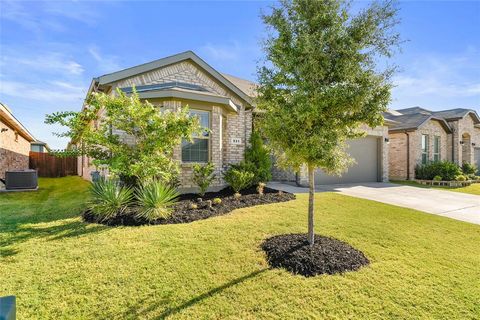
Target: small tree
(203,175)
(132,138)
(257,159)
(320,82)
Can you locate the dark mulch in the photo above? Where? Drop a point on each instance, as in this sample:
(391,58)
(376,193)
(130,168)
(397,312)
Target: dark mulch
(327,256)
(184,214)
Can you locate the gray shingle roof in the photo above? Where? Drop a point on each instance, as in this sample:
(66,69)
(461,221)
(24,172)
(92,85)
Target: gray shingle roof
(453,113)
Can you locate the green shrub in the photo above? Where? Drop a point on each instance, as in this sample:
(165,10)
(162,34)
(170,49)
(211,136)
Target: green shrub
(447,170)
(217,201)
(109,199)
(460,177)
(258,160)
(437,178)
(238,179)
(469,168)
(155,200)
(203,176)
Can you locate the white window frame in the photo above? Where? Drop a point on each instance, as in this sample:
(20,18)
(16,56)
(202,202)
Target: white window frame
(424,147)
(437,148)
(201,136)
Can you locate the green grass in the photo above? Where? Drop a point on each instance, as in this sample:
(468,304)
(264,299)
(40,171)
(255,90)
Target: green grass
(474,188)
(422,266)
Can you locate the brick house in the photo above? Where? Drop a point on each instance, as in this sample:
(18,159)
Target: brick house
(224,104)
(14,142)
(419,136)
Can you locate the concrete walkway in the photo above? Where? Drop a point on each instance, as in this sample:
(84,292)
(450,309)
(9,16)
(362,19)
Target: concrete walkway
(455,205)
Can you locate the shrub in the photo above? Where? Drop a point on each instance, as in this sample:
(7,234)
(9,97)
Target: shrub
(258,160)
(155,200)
(238,179)
(460,177)
(217,201)
(109,199)
(203,176)
(447,170)
(437,178)
(261,188)
(469,168)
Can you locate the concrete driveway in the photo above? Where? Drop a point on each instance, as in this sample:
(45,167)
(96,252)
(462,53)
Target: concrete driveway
(455,205)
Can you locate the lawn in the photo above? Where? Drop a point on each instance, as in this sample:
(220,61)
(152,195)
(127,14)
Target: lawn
(422,266)
(474,188)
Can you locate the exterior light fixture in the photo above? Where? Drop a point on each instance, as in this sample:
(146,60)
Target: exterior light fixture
(387,140)
(3,130)
(461,142)
(473,144)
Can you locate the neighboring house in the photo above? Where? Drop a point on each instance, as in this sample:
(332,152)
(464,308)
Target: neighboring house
(225,104)
(39,146)
(14,142)
(419,136)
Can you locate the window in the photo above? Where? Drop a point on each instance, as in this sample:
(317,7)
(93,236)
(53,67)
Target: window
(436,148)
(198,149)
(424,149)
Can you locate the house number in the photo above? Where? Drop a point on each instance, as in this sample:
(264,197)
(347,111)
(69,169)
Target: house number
(236,141)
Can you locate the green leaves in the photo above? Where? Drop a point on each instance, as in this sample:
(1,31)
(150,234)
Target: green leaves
(203,175)
(131,137)
(321,80)
(109,199)
(155,200)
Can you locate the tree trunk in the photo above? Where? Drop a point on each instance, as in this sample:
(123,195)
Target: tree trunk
(311,196)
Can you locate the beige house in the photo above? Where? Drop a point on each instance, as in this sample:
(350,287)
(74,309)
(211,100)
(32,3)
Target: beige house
(224,104)
(418,136)
(15,142)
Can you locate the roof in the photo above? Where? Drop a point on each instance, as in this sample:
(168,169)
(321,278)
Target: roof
(6,113)
(414,117)
(458,113)
(187,55)
(246,86)
(413,121)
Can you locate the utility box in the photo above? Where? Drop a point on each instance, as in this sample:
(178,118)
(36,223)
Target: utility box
(21,179)
(8,308)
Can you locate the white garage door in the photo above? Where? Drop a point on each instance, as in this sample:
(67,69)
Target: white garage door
(477,157)
(367,167)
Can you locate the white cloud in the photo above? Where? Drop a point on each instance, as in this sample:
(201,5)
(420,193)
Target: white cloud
(57,92)
(106,63)
(230,51)
(440,81)
(50,62)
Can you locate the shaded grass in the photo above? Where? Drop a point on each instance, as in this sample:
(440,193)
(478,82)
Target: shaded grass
(422,266)
(474,188)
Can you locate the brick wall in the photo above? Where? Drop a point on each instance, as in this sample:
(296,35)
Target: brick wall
(465,131)
(14,150)
(398,149)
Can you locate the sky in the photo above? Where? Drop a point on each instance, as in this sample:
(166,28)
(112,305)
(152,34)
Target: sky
(50,51)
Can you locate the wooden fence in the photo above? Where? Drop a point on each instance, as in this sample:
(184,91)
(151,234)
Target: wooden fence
(51,166)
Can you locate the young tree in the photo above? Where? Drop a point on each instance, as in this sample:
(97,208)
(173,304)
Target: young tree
(321,81)
(133,138)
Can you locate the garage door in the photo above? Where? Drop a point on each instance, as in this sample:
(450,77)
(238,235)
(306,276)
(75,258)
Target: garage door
(477,157)
(367,167)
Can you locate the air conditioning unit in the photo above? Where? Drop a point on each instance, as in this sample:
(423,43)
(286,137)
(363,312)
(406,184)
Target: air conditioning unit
(21,179)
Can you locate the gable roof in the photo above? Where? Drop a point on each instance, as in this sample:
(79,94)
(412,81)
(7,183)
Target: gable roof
(7,114)
(187,55)
(458,113)
(413,110)
(413,121)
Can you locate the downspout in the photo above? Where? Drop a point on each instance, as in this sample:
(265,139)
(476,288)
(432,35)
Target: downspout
(408,155)
(453,146)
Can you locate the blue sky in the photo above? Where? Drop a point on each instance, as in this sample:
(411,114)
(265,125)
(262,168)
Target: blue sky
(49,51)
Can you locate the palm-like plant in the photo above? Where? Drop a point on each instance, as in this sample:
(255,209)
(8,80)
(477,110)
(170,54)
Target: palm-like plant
(155,200)
(109,199)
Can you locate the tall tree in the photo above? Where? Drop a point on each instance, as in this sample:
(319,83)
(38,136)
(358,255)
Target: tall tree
(324,76)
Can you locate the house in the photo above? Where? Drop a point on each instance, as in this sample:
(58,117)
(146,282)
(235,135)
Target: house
(418,136)
(15,142)
(222,102)
(225,104)
(39,146)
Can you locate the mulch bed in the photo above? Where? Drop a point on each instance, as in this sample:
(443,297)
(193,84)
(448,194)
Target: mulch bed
(327,256)
(183,213)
